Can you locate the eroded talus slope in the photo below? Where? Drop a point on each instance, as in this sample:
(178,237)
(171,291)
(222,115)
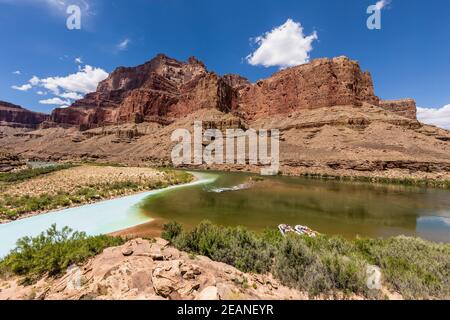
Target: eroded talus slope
(367,132)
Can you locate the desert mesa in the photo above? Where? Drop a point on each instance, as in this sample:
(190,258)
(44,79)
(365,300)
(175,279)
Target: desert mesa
(331,121)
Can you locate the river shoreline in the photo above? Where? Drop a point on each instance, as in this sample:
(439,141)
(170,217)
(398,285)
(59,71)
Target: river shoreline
(100,218)
(396,285)
(438,180)
(154,221)
(37,213)
(151,229)
(159,180)
(347,209)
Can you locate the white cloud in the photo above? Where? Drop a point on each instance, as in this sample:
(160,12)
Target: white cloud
(124,44)
(78,60)
(55,101)
(34,81)
(284,46)
(66,88)
(17,72)
(24,87)
(82,82)
(438,117)
(71,95)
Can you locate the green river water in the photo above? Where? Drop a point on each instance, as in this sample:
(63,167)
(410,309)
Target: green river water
(330,207)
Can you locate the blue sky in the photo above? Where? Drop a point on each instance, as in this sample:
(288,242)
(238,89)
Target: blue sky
(408,57)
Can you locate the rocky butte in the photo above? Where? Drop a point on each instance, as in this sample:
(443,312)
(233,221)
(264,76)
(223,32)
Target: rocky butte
(328,114)
(18,117)
(164,89)
(158,91)
(321,83)
(405,107)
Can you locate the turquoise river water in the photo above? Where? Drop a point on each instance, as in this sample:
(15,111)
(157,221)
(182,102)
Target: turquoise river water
(228,199)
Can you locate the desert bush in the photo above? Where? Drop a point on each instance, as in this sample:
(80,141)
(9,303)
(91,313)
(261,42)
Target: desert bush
(178,177)
(297,265)
(324,265)
(414,267)
(171,231)
(235,246)
(316,270)
(26,174)
(52,252)
(444,184)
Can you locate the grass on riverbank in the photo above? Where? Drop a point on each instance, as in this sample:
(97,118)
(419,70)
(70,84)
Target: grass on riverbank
(22,175)
(415,268)
(428,183)
(12,206)
(52,252)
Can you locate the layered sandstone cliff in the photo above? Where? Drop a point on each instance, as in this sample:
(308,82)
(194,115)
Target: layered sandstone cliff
(329,118)
(236,81)
(321,83)
(157,91)
(165,89)
(15,116)
(405,107)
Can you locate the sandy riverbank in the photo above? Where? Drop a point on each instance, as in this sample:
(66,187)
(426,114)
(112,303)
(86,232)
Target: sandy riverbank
(151,229)
(80,186)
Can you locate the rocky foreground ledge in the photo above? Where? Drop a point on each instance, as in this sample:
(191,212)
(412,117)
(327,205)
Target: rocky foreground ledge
(152,270)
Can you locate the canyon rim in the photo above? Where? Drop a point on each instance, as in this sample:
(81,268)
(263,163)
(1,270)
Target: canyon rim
(330,120)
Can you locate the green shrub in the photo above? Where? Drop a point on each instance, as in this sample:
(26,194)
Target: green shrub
(177,177)
(26,174)
(297,265)
(171,231)
(324,265)
(272,236)
(52,252)
(444,184)
(306,264)
(413,267)
(14,206)
(235,246)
